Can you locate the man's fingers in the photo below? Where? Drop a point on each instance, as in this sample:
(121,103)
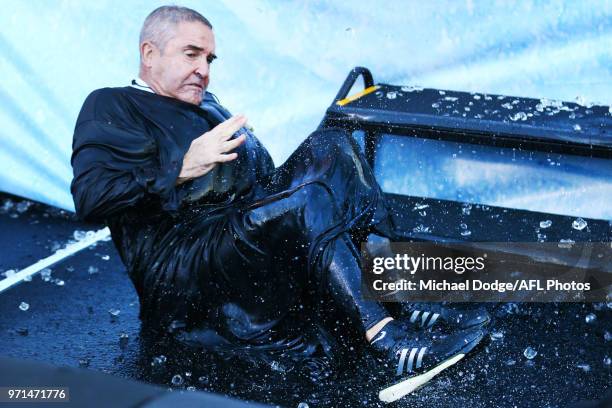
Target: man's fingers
(225,130)
(234,143)
(227,157)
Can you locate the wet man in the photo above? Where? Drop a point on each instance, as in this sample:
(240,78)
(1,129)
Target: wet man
(214,237)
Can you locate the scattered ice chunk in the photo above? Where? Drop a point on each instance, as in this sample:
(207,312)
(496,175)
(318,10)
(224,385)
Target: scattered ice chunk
(584,367)
(541,237)
(422,229)
(391,95)
(435,105)
(191,388)
(59,282)
(545,224)
(451,98)
(276,366)
(23,206)
(477,97)
(158,360)
(420,206)
(105,257)
(518,116)
(24,306)
(607,336)
(566,243)
(510,362)
(466,233)
(79,235)
(9,273)
(590,318)
(45,274)
(123,340)
(442,92)
(497,335)
(412,88)
(302,405)
(507,105)
(463,226)
(530,353)
(579,224)
(607,361)
(466,209)
(177,380)
(114,313)
(92,270)
(577,128)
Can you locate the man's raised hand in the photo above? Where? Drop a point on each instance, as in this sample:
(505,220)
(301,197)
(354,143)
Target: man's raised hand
(212,148)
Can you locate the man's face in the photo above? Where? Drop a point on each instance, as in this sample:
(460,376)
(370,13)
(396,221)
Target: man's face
(181,70)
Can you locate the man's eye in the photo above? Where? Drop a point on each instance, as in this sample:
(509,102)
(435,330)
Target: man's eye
(191,54)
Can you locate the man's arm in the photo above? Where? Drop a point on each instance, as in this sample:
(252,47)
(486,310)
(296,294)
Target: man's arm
(114,168)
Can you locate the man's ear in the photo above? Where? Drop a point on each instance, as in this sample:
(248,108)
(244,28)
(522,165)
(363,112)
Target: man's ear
(147,53)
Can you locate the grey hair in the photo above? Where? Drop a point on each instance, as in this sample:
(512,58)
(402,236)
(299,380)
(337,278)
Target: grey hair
(159,25)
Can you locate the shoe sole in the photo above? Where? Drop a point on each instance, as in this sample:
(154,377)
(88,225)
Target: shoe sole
(403,388)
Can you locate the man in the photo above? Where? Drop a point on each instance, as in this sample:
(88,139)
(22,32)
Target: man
(214,238)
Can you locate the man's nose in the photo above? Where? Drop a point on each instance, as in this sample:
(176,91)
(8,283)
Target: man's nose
(203,68)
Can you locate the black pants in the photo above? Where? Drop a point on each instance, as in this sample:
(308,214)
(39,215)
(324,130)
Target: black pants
(290,248)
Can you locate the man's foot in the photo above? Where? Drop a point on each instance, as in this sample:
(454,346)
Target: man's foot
(435,316)
(413,358)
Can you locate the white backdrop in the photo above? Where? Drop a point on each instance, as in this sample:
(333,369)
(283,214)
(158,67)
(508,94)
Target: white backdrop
(281,63)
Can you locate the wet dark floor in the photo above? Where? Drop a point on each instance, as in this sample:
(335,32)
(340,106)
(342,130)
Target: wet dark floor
(73,324)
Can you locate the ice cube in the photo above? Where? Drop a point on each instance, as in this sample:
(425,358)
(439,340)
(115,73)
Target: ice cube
(545,224)
(577,128)
(590,318)
(24,306)
(584,367)
(579,224)
(177,380)
(518,116)
(79,235)
(466,233)
(497,335)
(391,95)
(530,353)
(302,405)
(92,270)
